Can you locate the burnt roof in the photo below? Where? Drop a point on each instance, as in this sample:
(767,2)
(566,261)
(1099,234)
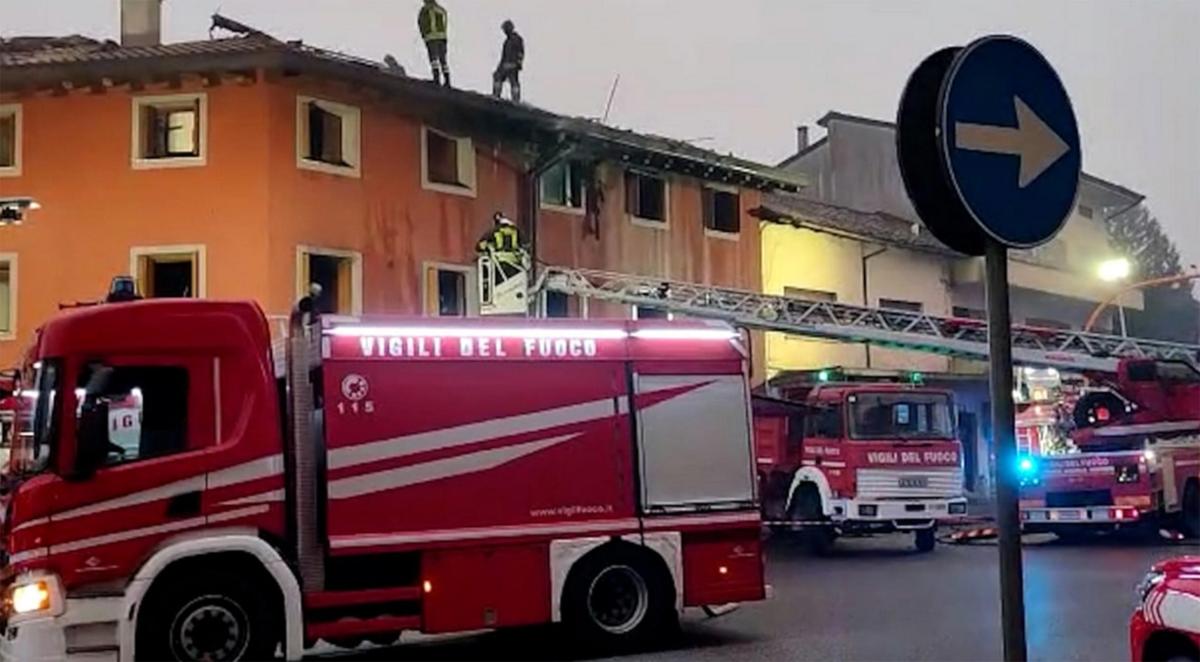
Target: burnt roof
(882,227)
(77,61)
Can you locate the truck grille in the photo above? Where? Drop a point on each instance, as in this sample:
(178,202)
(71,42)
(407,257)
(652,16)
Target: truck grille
(1079,499)
(934,482)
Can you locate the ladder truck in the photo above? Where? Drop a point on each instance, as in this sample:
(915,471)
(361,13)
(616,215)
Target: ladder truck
(803,484)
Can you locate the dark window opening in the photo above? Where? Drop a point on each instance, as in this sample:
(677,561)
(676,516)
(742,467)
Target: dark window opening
(325,131)
(170,131)
(147,411)
(824,423)
(562,186)
(648,313)
(900,304)
(332,273)
(810,295)
(451,293)
(167,276)
(441,157)
(645,197)
(722,210)
(558,304)
(8,140)
(969,313)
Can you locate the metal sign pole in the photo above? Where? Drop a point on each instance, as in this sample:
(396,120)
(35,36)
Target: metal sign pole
(1008,519)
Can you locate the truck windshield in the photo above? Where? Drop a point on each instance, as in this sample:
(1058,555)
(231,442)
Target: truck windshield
(38,404)
(901,416)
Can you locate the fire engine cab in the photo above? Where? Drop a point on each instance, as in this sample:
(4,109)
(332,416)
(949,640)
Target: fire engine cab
(173,499)
(1134,461)
(1166,623)
(860,458)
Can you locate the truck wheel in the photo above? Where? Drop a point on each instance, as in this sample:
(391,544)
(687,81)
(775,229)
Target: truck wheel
(616,598)
(925,539)
(1191,509)
(806,507)
(207,617)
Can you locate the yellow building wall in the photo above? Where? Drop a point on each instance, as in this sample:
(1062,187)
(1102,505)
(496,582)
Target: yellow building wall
(804,259)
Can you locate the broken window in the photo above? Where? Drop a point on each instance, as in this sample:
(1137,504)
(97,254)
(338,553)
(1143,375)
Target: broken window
(168,275)
(721,210)
(449,160)
(562,186)
(169,127)
(646,197)
(446,292)
(334,273)
(9,136)
(327,136)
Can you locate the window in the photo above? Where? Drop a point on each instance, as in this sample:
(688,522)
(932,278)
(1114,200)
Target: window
(969,313)
(651,313)
(32,453)
(810,295)
(339,275)
(147,410)
(908,415)
(721,210)
(900,304)
(562,186)
(8,295)
(327,136)
(646,197)
(565,305)
(169,130)
(10,140)
(1046,323)
(825,422)
(169,271)
(446,291)
(447,162)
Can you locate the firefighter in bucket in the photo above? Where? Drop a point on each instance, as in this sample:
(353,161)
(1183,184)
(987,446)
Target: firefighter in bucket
(503,269)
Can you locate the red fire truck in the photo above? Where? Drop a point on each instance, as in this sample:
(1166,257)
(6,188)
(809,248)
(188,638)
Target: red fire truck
(176,500)
(1136,461)
(860,458)
(1166,624)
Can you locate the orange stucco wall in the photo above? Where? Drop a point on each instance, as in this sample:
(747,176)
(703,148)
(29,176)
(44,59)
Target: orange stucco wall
(250,206)
(95,206)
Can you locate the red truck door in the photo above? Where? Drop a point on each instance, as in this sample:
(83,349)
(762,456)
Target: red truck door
(161,427)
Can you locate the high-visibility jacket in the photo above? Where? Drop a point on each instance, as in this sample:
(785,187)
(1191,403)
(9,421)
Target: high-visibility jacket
(432,22)
(502,239)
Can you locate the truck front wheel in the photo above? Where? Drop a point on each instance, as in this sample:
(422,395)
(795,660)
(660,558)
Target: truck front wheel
(925,539)
(205,618)
(617,598)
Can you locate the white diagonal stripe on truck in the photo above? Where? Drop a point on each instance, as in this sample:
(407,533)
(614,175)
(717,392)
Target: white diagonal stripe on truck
(378,481)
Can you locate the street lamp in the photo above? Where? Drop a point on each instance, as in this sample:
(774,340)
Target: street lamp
(1116,269)
(1112,271)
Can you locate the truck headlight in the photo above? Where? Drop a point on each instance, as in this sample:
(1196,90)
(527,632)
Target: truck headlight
(31,597)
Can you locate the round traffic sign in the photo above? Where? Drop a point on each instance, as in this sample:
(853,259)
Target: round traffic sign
(1009,140)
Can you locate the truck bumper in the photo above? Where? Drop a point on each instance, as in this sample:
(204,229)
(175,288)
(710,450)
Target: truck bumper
(87,629)
(899,514)
(1082,516)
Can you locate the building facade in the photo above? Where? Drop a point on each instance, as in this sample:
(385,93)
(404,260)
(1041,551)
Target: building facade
(852,236)
(249,167)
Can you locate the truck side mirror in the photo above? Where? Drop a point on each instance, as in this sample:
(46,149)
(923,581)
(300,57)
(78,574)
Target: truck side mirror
(91,429)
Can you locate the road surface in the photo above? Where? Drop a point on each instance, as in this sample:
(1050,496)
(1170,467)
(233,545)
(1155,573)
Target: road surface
(876,599)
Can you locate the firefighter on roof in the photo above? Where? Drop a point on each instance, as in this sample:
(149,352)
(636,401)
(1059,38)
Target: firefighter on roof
(512,60)
(432,23)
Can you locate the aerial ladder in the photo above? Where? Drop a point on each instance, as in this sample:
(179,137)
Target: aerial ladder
(1038,347)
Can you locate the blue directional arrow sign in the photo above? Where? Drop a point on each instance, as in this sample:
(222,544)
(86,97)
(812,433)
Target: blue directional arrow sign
(1009,139)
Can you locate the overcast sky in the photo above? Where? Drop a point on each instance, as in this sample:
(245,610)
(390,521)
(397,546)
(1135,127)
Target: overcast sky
(739,75)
